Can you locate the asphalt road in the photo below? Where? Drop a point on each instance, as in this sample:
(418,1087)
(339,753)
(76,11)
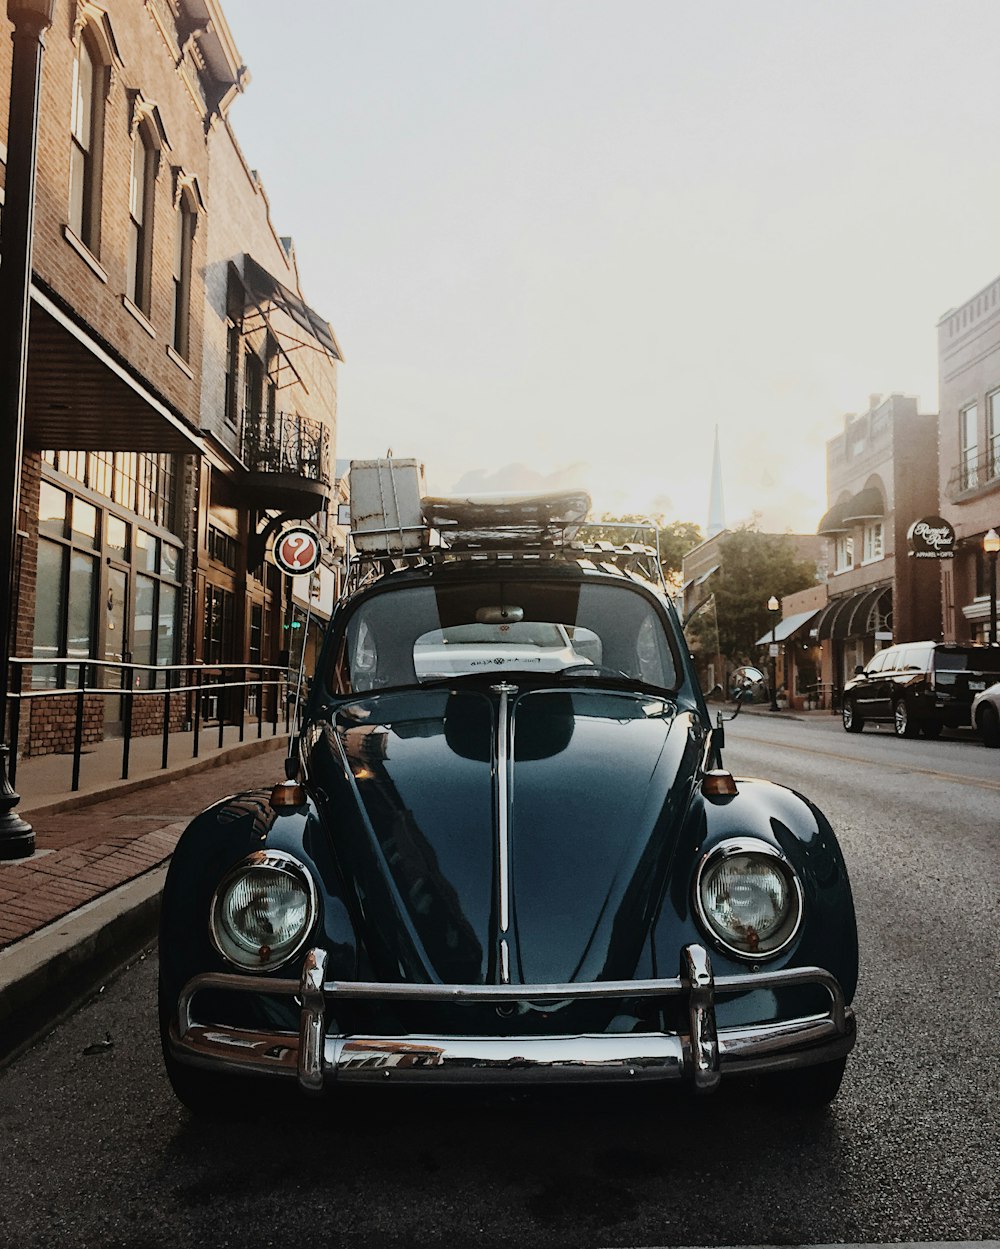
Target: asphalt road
(94,1150)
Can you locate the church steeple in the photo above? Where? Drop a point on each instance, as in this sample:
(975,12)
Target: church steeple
(716,504)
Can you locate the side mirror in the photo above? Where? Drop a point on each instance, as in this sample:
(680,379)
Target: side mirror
(858,670)
(746,684)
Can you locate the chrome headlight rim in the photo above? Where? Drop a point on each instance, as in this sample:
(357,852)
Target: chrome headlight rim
(275,860)
(729,848)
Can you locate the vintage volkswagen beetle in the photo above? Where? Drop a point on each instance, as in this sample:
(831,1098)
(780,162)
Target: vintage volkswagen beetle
(514,873)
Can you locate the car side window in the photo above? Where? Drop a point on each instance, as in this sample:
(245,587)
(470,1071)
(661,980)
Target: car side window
(891,661)
(875,664)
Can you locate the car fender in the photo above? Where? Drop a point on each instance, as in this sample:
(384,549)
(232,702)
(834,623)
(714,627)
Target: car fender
(214,843)
(787,822)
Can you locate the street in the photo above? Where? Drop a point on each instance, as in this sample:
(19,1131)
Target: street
(95,1150)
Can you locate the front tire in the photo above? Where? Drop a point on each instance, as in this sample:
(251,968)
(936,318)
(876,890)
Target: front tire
(989,726)
(853,723)
(902,721)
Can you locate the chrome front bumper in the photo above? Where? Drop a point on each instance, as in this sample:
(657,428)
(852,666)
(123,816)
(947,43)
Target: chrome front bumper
(700,1056)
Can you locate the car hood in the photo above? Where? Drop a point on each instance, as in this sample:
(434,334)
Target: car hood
(597,781)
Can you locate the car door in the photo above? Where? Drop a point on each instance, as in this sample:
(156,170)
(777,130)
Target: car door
(867,685)
(880,691)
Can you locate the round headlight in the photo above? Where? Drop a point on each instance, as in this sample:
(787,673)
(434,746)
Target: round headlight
(262,912)
(748,898)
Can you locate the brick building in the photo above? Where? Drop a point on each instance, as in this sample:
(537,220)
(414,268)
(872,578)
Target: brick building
(168,421)
(969,474)
(881,474)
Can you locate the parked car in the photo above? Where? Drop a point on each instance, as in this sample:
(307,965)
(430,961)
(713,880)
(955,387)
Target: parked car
(986,714)
(919,687)
(507,877)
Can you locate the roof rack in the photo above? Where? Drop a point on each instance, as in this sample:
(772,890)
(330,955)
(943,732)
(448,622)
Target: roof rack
(393,527)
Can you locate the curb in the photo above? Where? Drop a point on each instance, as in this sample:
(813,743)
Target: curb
(45,977)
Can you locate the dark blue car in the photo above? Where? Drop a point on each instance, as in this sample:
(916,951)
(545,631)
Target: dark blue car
(508,853)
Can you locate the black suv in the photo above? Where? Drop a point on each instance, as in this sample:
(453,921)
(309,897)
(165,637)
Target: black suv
(919,687)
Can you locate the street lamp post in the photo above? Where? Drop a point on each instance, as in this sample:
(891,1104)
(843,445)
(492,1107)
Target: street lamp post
(31,19)
(773,606)
(991,545)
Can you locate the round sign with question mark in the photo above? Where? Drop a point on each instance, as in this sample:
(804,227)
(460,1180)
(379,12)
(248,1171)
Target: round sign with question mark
(297,550)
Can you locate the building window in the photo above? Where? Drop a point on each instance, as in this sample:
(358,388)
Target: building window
(873,541)
(88,555)
(993,433)
(253,382)
(232,372)
(844,552)
(86,128)
(968,435)
(140,229)
(222,547)
(183,248)
(219,614)
(141,481)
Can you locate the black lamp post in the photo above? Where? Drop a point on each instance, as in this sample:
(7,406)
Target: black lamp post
(773,606)
(991,545)
(31,19)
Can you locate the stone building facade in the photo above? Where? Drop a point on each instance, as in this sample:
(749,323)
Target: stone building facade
(157,449)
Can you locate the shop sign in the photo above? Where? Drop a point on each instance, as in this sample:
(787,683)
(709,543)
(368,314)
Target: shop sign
(297,550)
(932,538)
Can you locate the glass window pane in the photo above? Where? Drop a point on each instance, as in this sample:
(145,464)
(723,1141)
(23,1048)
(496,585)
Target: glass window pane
(52,510)
(143,635)
(84,523)
(80,614)
(166,641)
(49,608)
(116,536)
(170,558)
(146,550)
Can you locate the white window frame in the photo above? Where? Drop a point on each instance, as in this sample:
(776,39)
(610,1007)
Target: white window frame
(874,544)
(843,553)
(968,441)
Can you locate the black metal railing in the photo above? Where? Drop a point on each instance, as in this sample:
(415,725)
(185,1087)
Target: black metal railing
(976,473)
(285,442)
(214,696)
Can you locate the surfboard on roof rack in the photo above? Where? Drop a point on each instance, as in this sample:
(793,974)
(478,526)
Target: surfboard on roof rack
(519,519)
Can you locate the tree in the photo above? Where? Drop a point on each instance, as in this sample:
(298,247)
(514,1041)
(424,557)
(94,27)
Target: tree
(754,566)
(677,537)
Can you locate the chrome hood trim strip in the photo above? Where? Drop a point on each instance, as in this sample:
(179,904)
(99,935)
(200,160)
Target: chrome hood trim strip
(503,823)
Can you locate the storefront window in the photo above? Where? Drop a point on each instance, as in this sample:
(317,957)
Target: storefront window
(89,557)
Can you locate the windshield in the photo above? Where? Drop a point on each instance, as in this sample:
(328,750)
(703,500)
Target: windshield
(975,659)
(416,634)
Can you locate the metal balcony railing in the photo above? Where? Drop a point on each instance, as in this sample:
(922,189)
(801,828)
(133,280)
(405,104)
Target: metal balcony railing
(285,442)
(976,472)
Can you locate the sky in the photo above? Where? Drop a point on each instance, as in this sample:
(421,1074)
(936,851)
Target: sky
(560,241)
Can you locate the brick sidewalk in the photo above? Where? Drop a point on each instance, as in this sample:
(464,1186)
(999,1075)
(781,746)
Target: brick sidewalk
(83,854)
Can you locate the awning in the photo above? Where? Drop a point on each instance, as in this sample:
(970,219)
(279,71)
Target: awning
(263,289)
(705,575)
(788,627)
(833,521)
(82,396)
(854,615)
(866,505)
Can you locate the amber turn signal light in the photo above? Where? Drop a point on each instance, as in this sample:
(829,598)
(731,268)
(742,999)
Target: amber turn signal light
(718,783)
(288,794)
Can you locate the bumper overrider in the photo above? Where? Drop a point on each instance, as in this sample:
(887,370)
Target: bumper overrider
(701,1056)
